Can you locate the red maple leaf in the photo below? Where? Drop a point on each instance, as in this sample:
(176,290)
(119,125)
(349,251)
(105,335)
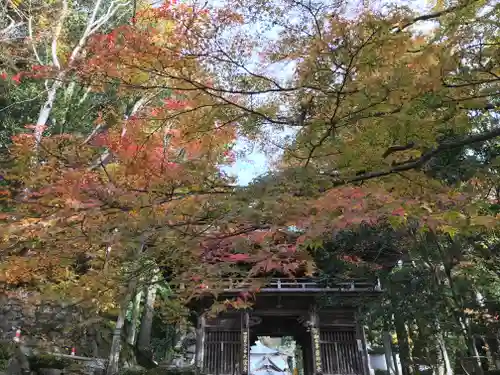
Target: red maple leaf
(238,257)
(17,78)
(244,295)
(398,212)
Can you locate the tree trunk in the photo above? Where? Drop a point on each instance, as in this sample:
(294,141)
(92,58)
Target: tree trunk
(412,340)
(457,308)
(395,357)
(443,353)
(488,357)
(439,367)
(404,347)
(144,339)
(467,334)
(116,344)
(494,350)
(387,341)
(46,108)
(136,310)
(478,366)
(94,23)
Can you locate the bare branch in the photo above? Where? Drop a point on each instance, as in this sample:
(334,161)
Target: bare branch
(426,17)
(394,149)
(112,9)
(419,162)
(32,41)
(57,33)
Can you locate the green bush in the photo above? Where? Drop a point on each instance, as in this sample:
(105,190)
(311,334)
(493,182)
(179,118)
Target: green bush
(5,354)
(48,361)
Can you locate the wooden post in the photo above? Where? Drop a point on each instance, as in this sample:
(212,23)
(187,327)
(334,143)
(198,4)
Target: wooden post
(306,356)
(317,367)
(362,347)
(389,355)
(200,342)
(245,343)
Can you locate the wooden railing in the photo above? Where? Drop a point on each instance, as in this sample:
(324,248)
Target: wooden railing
(24,350)
(305,285)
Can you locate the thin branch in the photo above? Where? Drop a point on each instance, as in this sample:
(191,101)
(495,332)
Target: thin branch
(32,41)
(57,33)
(427,17)
(112,9)
(394,149)
(419,162)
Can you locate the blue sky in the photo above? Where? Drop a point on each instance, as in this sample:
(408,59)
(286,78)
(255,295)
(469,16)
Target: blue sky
(248,167)
(252,162)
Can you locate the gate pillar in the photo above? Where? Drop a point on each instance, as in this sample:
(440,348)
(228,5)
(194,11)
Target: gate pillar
(200,342)
(245,343)
(317,367)
(362,346)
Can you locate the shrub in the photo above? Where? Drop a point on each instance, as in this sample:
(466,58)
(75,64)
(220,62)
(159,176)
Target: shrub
(5,354)
(48,361)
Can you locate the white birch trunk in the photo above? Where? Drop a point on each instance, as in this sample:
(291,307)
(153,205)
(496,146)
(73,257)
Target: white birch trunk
(387,341)
(116,344)
(144,339)
(136,309)
(106,155)
(448,370)
(93,25)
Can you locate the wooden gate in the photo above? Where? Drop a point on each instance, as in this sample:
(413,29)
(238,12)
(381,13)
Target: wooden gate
(339,352)
(222,353)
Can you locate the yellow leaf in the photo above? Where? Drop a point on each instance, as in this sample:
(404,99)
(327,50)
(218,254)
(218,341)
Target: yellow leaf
(485,221)
(426,207)
(448,230)
(438,5)
(139,78)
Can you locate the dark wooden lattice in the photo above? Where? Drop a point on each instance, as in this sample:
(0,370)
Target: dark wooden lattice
(339,352)
(222,353)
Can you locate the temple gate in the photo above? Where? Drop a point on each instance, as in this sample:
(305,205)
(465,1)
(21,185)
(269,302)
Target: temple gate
(331,338)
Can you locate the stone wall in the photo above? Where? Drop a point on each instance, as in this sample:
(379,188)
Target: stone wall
(57,327)
(54,328)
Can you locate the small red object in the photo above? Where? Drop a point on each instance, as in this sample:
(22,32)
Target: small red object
(18,336)
(73,351)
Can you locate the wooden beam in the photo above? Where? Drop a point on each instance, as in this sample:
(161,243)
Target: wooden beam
(295,312)
(200,342)
(245,343)
(362,346)
(317,366)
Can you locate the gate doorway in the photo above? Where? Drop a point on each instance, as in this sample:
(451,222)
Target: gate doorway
(289,327)
(331,339)
(275,356)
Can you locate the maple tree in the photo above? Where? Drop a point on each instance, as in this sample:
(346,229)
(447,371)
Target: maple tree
(144,151)
(357,119)
(400,108)
(98,216)
(378,112)
(82,221)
